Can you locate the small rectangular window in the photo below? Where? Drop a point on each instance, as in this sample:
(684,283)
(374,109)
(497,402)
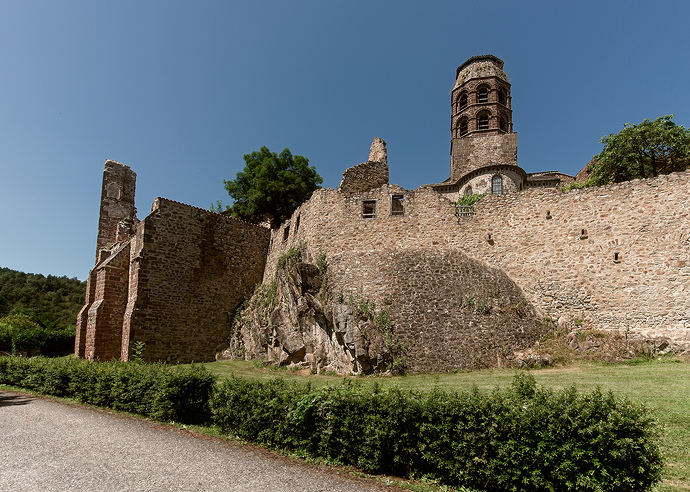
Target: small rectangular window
(397,205)
(286,233)
(368,209)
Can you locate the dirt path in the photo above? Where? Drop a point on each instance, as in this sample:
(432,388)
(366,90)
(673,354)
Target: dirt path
(53,446)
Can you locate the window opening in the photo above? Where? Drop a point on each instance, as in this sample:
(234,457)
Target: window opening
(368,209)
(503,124)
(463,126)
(468,191)
(497,185)
(397,205)
(286,233)
(463,100)
(483,121)
(483,95)
(297,224)
(502,97)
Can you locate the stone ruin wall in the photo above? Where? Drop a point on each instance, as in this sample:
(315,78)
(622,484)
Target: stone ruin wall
(370,174)
(173,284)
(107,288)
(614,257)
(190,269)
(564,274)
(117,216)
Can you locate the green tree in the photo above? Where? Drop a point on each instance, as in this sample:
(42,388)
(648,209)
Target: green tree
(645,150)
(271,186)
(218,207)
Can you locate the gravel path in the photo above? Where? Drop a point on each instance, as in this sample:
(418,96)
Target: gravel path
(52,446)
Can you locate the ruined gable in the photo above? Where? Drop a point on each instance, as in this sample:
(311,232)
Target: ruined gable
(368,175)
(171,281)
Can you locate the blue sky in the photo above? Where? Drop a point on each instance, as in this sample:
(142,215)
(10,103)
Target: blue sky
(181,90)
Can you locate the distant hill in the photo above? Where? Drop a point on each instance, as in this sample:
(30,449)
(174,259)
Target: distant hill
(53,302)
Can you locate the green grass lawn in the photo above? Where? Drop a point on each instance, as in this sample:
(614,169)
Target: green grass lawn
(663,385)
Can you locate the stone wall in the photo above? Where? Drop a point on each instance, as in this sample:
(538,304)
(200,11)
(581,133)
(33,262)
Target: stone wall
(627,272)
(117,216)
(190,269)
(565,262)
(103,332)
(612,258)
(370,174)
(413,266)
(171,281)
(473,152)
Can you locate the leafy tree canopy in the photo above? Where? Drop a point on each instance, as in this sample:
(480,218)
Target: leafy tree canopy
(271,186)
(645,150)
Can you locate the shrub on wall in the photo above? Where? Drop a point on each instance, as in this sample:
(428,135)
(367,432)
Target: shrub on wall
(522,439)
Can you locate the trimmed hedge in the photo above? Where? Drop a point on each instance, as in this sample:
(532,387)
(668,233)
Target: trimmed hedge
(168,393)
(521,439)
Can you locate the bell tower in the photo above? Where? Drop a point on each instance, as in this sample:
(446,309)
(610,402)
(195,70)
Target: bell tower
(481,117)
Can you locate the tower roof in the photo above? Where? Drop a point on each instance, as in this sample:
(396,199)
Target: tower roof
(479,67)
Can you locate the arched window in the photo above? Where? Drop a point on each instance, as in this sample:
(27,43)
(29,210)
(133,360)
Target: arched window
(497,185)
(468,191)
(503,124)
(463,100)
(483,121)
(483,94)
(502,96)
(463,126)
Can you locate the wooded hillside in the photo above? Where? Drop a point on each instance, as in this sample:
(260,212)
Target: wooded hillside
(52,302)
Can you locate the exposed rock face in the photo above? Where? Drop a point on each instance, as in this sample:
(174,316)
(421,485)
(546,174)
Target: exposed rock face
(292,323)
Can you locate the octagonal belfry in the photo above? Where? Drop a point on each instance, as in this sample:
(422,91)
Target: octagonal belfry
(482,118)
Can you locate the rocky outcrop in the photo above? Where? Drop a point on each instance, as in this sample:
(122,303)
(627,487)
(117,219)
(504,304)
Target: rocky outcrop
(292,322)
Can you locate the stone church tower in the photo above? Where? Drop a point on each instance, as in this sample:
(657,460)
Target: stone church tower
(483,144)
